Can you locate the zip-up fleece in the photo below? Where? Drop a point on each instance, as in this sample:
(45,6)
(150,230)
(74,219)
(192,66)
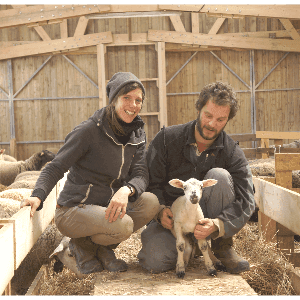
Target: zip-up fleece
(99,165)
(169,156)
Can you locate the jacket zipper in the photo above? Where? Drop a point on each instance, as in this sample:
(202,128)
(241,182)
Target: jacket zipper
(87,194)
(123,147)
(123,161)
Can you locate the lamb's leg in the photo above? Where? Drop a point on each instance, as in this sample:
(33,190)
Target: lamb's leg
(189,247)
(217,263)
(203,246)
(180,246)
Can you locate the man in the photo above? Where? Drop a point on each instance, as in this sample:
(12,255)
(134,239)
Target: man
(200,149)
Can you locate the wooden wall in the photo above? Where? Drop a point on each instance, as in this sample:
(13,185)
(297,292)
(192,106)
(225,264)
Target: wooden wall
(52,119)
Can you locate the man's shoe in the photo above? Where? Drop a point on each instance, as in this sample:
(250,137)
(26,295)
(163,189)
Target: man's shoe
(223,250)
(84,251)
(109,261)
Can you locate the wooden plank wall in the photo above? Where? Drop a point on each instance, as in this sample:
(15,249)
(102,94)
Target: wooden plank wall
(52,119)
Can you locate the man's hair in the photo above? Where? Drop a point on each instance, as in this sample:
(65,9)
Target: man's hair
(221,94)
(110,111)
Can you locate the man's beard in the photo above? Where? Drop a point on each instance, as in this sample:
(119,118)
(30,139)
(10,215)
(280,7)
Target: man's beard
(198,124)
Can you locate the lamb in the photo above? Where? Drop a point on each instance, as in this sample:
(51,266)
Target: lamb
(10,170)
(186,214)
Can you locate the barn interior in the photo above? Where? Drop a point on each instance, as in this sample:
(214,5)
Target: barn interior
(56,60)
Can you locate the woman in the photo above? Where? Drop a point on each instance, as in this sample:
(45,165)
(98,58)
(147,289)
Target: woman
(103,200)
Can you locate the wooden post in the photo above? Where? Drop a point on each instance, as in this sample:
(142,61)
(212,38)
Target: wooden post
(13,144)
(101,74)
(163,114)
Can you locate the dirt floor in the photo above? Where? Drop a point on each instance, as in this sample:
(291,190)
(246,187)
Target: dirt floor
(267,275)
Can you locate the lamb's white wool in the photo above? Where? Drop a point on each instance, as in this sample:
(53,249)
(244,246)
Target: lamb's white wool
(186,214)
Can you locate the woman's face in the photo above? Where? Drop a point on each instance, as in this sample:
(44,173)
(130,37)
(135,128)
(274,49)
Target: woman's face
(129,105)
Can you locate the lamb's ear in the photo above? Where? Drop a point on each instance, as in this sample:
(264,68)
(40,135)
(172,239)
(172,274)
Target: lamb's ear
(176,183)
(209,182)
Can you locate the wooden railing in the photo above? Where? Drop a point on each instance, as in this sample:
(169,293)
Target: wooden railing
(279,205)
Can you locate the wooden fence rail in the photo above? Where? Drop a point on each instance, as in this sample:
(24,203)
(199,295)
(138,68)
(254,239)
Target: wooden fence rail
(279,205)
(18,234)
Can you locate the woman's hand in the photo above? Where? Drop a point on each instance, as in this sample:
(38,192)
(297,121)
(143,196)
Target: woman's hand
(204,228)
(34,202)
(118,204)
(166,218)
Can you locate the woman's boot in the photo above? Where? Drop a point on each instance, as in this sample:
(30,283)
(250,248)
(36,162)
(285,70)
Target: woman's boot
(108,259)
(85,252)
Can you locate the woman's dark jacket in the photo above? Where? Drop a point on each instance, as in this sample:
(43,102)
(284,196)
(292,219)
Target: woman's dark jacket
(169,156)
(98,163)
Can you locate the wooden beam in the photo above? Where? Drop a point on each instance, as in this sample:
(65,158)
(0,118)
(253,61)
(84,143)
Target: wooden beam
(163,112)
(217,25)
(181,7)
(38,13)
(289,135)
(287,161)
(81,26)
(195,23)
(261,34)
(64,29)
(290,29)
(101,75)
(133,8)
(55,45)
(177,23)
(223,41)
(244,137)
(39,29)
(278,203)
(269,11)
(42,33)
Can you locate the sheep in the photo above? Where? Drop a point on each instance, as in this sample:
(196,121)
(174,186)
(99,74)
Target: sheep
(294,144)
(186,214)
(26,180)
(37,256)
(6,157)
(10,170)
(16,194)
(8,207)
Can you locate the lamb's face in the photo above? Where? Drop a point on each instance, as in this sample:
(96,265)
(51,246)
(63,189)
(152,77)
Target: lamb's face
(193,190)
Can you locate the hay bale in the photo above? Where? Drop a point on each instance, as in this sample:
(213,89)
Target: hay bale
(16,194)
(38,256)
(269,269)
(8,207)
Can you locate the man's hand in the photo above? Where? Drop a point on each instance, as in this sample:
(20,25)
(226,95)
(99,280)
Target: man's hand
(118,204)
(204,228)
(166,218)
(34,202)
